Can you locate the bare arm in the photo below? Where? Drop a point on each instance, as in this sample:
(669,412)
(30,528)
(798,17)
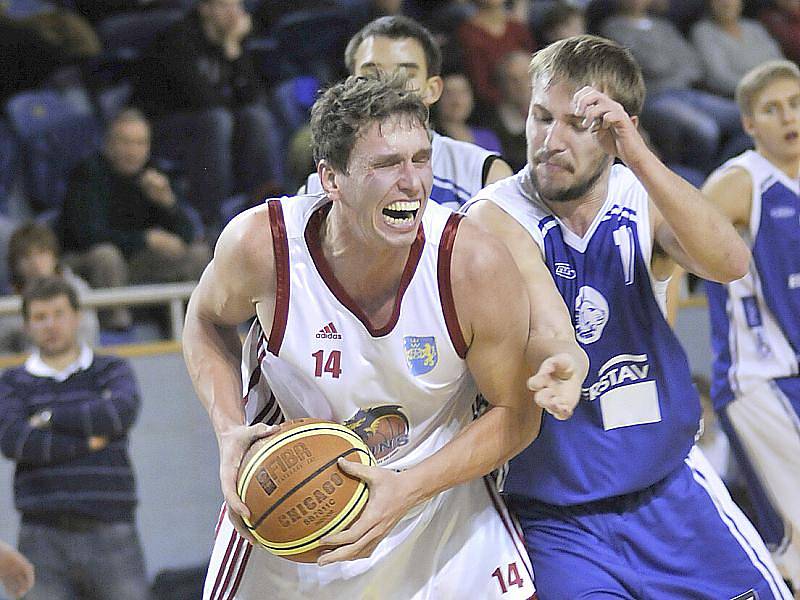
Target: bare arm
(551,330)
(683,220)
(241,275)
(16,572)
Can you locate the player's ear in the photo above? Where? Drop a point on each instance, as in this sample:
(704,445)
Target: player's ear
(432,90)
(635,121)
(327,177)
(747,125)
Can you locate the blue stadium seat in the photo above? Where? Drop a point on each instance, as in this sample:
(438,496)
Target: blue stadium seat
(55,134)
(9,164)
(125,36)
(19,9)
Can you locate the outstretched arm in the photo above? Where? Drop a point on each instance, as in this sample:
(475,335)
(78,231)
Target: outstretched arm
(558,364)
(240,276)
(683,220)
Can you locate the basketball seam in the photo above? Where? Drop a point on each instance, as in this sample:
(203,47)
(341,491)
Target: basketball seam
(300,484)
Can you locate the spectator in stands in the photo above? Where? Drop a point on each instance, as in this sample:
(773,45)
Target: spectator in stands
(782,20)
(511,114)
(96,11)
(16,571)
(64,419)
(121,221)
(560,20)
(730,46)
(687,125)
(453,112)
(199,85)
(33,253)
(486,37)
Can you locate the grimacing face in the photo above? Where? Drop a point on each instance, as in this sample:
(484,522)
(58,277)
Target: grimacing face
(565,158)
(389,55)
(775,120)
(388,181)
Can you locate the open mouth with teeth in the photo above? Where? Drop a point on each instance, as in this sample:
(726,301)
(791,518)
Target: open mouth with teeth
(401,213)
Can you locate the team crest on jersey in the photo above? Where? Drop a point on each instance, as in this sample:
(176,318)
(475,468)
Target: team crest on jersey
(565,270)
(384,428)
(421,354)
(591,314)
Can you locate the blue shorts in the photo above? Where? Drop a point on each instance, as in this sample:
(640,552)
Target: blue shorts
(682,538)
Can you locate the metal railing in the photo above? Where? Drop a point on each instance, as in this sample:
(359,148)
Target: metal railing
(174,295)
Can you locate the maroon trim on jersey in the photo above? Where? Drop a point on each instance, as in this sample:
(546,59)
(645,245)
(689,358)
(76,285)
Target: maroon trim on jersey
(280,247)
(240,574)
(325,271)
(224,563)
(446,286)
(513,532)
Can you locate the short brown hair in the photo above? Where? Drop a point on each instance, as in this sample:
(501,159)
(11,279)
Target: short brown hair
(48,288)
(25,239)
(347,108)
(591,60)
(756,79)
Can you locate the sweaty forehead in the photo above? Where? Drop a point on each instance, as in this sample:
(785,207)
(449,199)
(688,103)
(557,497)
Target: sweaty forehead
(553,96)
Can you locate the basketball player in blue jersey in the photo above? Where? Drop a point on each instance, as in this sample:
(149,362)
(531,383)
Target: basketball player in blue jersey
(616,502)
(756,319)
(402,283)
(396,43)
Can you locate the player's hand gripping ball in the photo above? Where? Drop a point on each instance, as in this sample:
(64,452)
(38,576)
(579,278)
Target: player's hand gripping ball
(295,490)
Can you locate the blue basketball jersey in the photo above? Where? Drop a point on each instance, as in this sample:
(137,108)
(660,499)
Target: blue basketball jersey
(639,413)
(755,320)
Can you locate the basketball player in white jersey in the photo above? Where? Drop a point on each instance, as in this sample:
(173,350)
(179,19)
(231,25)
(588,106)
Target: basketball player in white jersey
(616,501)
(374,305)
(397,43)
(756,319)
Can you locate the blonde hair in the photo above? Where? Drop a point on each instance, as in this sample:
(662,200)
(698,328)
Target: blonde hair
(758,78)
(592,60)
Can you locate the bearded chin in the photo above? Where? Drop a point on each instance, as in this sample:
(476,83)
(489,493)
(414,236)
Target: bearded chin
(575,191)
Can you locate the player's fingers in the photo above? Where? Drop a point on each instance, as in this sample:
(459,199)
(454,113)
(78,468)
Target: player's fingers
(231,496)
(240,527)
(356,469)
(359,549)
(563,366)
(260,430)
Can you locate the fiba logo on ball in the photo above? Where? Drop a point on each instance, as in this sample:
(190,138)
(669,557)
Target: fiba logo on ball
(294,489)
(383,428)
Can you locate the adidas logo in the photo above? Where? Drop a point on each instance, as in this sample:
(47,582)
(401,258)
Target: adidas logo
(329,333)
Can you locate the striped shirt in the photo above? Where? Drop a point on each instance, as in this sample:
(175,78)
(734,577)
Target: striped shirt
(56,471)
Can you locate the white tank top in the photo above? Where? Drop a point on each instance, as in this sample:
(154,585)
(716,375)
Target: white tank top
(404,385)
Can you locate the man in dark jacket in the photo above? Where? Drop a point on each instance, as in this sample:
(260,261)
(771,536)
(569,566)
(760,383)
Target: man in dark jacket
(121,220)
(200,87)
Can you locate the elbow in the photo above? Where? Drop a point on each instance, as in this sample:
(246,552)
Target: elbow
(737,264)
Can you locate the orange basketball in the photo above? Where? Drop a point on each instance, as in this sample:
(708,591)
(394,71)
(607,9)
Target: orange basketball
(296,492)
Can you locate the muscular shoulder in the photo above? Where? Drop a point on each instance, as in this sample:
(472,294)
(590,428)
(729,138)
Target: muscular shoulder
(731,192)
(244,255)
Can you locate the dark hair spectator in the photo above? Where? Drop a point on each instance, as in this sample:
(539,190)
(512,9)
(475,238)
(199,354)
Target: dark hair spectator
(453,114)
(560,20)
(782,20)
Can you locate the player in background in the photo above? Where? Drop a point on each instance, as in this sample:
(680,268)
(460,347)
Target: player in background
(399,44)
(755,320)
(427,309)
(617,501)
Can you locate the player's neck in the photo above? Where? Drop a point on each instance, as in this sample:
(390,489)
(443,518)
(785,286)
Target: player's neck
(369,272)
(789,165)
(579,214)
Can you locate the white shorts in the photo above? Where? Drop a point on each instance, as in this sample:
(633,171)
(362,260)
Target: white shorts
(768,429)
(461,544)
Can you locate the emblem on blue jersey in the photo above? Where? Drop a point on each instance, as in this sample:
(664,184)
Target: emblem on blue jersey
(421,354)
(591,314)
(565,270)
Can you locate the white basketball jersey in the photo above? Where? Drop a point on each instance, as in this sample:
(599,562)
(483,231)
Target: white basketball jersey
(459,169)
(404,387)
(755,320)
